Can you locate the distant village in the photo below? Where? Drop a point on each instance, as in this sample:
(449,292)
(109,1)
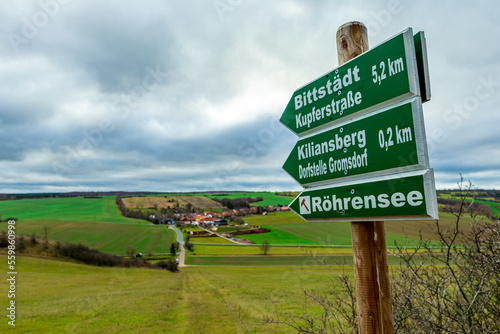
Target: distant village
(210,218)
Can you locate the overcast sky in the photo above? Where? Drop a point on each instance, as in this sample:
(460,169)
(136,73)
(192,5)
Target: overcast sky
(186,95)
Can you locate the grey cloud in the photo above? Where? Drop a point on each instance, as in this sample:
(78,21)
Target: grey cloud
(79,68)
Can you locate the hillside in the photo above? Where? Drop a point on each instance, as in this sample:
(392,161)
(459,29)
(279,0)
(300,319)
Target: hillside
(94,222)
(63,296)
(485,202)
(57,297)
(61,251)
(102,209)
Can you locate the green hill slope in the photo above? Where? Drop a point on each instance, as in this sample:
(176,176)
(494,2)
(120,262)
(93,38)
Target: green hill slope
(95,223)
(61,297)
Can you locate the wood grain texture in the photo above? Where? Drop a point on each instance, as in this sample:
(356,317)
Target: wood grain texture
(352,40)
(372,277)
(368,237)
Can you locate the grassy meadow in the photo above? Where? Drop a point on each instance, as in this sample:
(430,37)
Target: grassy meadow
(106,237)
(63,209)
(232,249)
(97,223)
(54,296)
(210,240)
(93,222)
(278,260)
(62,297)
(288,228)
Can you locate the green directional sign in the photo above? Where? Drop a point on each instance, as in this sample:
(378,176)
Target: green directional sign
(381,76)
(389,141)
(404,196)
(422,66)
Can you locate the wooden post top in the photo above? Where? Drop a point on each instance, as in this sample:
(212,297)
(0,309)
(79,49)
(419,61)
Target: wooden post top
(352,40)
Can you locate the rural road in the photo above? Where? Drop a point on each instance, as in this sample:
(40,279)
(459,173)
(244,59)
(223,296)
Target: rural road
(180,240)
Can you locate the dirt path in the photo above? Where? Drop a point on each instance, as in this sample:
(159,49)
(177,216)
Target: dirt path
(180,240)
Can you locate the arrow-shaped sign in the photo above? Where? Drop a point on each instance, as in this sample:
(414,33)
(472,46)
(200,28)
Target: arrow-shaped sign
(383,75)
(388,141)
(403,196)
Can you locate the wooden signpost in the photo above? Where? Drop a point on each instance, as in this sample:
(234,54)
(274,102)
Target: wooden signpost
(369,247)
(362,153)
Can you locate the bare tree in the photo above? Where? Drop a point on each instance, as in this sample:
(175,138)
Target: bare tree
(451,286)
(265,246)
(131,251)
(46,231)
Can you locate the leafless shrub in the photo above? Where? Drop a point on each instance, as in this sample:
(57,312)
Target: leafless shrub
(265,246)
(449,286)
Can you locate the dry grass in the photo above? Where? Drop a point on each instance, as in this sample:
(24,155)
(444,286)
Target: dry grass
(148,202)
(199,202)
(169,202)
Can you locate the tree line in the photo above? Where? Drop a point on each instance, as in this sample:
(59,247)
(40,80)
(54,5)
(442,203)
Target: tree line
(239,203)
(136,214)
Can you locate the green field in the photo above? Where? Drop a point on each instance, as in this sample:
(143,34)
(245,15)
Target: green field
(54,296)
(255,250)
(61,297)
(334,233)
(72,208)
(278,237)
(274,218)
(312,233)
(489,201)
(105,237)
(95,223)
(210,240)
(277,260)
(288,228)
